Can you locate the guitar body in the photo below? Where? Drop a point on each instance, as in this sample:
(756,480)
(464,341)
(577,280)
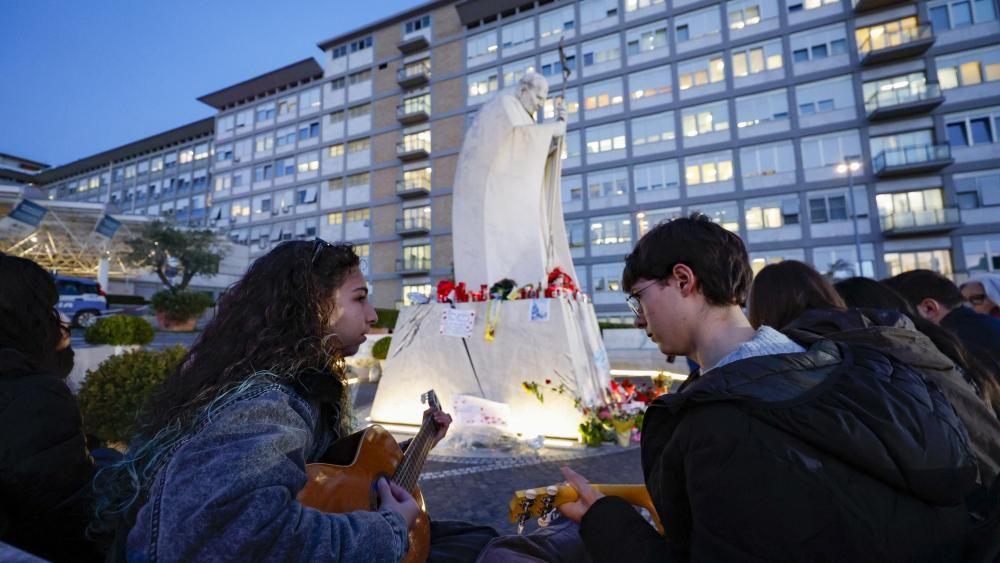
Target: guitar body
(346,481)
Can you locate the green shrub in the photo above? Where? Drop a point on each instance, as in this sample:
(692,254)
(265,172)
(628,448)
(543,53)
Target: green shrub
(113,394)
(179,306)
(387,318)
(120,330)
(380,350)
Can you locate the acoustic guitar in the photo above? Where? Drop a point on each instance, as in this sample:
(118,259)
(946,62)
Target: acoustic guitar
(346,480)
(543,502)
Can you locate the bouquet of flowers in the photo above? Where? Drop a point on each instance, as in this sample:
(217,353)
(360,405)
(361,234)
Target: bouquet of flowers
(618,417)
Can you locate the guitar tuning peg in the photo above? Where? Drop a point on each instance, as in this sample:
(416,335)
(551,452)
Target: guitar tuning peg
(530,494)
(551,490)
(548,517)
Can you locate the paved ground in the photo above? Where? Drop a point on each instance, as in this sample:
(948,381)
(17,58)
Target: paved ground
(482,494)
(478,488)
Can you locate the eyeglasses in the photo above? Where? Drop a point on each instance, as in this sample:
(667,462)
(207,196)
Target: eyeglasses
(633,298)
(977,300)
(319,245)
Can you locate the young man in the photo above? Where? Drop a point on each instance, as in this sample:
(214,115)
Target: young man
(773,452)
(940,301)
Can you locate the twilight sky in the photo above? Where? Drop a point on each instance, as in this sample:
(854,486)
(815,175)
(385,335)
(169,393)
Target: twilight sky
(81,76)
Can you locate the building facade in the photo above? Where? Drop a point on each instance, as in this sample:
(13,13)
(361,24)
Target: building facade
(858,136)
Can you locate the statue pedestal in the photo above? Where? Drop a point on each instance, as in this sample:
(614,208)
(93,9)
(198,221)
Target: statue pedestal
(566,348)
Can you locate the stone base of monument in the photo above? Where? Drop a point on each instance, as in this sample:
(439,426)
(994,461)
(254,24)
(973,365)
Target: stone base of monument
(534,340)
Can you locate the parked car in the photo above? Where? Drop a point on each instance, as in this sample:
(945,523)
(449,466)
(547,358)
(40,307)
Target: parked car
(81,300)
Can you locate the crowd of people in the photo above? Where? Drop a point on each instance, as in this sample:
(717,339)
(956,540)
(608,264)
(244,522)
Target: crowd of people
(827,421)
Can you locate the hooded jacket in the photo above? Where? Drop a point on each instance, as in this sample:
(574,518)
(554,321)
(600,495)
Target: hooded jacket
(834,454)
(894,334)
(45,469)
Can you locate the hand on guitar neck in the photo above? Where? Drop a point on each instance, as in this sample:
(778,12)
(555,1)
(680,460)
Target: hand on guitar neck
(394,497)
(442,420)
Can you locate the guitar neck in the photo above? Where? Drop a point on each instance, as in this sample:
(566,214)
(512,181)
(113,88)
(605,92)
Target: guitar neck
(409,469)
(632,494)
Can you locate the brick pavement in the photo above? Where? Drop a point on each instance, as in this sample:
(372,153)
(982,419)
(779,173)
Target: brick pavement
(478,488)
(481,495)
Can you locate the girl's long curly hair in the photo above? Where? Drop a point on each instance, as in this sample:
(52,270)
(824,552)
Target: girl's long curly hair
(274,321)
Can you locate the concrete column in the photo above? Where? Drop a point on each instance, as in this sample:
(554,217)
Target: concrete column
(102,272)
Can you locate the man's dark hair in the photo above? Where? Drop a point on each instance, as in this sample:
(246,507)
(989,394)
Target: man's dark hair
(918,285)
(716,256)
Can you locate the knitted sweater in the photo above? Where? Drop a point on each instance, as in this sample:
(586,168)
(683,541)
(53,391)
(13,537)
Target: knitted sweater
(765,342)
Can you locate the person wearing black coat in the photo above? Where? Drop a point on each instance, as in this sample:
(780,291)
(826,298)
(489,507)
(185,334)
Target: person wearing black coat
(45,468)
(940,301)
(774,452)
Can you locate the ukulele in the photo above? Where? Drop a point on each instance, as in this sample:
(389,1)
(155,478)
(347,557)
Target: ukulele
(346,480)
(543,502)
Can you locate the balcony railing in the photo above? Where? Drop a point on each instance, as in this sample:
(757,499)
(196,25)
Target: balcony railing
(413,225)
(413,265)
(890,45)
(912,160)
(413,76)
(916,98)
(413,187)
(413,111)
(920,222)
(413,149)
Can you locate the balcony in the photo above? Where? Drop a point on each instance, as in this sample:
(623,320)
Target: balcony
(414,187)
(413,149)
(413,77)
(920,222)
(907,42)
(411,112)
(903,101)
(912,160)
(410,226)
(413,43)
(413,266)
(867,5)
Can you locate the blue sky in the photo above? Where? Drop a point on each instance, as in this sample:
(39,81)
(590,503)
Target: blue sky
(79,77)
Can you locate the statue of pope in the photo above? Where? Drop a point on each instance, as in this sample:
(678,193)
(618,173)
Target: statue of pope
(507,219)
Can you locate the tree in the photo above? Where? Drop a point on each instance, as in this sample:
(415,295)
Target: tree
(173,252)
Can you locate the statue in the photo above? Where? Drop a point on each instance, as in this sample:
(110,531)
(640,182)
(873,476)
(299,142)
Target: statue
(507,219)
(507,225)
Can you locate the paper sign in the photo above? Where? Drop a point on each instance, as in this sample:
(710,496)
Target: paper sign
(457,322)
(471,410)
(539,310)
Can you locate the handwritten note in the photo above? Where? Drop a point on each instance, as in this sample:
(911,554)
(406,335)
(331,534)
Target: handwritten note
(457,323)
(539,310)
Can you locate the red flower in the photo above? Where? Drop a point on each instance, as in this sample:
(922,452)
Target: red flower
(548,382)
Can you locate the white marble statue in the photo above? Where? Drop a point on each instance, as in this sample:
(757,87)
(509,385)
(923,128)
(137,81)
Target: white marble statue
(507,223)
(507,218)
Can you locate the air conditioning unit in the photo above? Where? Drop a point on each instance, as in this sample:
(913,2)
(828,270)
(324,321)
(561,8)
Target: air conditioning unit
(274,211)
(286,209)
(232,220)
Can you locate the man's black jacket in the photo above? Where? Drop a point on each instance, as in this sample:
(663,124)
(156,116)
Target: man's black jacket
(834,454)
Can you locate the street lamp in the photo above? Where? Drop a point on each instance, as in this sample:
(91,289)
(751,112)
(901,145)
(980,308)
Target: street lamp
(849,167)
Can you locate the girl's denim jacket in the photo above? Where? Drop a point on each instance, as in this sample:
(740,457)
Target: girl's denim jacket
(226,491)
